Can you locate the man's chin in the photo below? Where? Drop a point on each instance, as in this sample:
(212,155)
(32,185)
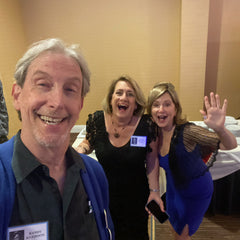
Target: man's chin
(52,141)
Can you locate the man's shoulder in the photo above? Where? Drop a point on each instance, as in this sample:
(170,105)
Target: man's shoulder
(7,185)
(6,153)
(91,163)
(6,149)
(94,172)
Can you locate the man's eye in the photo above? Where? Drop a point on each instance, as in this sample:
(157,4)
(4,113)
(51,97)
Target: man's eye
(43,84)
(70,90)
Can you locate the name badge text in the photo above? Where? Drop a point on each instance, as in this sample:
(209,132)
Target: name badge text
(138,141)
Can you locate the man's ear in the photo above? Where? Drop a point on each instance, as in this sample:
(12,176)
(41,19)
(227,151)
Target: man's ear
(16,92)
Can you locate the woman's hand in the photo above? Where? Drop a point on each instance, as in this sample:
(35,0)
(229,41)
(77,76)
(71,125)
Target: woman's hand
(84,147)
(155,196)
(214,116)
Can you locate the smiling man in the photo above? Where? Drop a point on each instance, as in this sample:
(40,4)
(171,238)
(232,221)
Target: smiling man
(48,190)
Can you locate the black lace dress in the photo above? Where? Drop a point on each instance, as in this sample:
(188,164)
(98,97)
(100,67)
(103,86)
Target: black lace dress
(126,173)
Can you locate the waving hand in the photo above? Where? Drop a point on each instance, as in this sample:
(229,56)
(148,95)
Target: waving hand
(214,116)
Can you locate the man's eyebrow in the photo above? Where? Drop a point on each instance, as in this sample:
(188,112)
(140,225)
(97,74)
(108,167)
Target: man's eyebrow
(40,72)
(75,78)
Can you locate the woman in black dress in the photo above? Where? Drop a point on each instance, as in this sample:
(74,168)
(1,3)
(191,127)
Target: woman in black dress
(121,136)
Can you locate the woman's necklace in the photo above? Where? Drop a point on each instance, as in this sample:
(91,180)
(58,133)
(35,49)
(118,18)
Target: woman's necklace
(117,133)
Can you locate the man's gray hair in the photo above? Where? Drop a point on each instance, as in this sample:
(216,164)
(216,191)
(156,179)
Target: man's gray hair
(56,46)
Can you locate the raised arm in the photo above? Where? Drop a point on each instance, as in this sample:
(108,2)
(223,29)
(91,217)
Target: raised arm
(214,118)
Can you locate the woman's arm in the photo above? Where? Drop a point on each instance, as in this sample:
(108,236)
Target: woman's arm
(228,140)
(86,146)
(214,118)
(152,166)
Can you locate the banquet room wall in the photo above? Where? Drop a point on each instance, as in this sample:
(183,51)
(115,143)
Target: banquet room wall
(228,81)
(223,52)
(12,45)
(150,40)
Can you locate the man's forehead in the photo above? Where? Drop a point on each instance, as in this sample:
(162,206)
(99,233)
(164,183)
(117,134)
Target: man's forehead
(56,61)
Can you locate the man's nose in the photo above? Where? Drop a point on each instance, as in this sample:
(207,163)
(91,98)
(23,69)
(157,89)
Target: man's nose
(56,98)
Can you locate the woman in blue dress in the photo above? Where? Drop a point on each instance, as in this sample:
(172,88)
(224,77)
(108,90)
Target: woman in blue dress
(181,148)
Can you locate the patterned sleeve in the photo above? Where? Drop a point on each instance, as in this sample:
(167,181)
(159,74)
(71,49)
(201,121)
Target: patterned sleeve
(151,129)
(90,132)
(207,140)
(94,124)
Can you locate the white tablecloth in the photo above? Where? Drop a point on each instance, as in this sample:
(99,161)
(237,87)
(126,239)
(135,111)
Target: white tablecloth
(227,163)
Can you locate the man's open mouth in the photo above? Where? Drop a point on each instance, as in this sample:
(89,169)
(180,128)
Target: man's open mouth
(50,120)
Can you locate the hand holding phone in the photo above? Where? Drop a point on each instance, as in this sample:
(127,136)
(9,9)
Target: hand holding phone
(156,211)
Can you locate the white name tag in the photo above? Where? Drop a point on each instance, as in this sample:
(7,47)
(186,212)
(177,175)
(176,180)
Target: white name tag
(36,231)
(138,141)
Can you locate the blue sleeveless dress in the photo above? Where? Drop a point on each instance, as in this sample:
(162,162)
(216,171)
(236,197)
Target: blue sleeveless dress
(188,204)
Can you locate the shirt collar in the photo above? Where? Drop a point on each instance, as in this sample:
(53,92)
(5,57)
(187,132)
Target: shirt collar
(24,162)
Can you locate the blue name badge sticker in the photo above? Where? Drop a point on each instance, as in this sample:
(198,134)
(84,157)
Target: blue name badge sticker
(36,231)
(138,141)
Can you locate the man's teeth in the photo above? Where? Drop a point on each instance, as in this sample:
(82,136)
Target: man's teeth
(50,120)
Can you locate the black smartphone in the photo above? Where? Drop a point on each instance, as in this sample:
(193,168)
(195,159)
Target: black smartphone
(157,212)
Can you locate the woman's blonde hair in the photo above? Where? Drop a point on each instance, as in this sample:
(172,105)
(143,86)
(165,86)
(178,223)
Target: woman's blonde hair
(158,90)
(140,99)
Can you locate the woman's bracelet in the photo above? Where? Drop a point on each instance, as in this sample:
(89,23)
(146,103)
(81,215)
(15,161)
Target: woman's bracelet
(154,190)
